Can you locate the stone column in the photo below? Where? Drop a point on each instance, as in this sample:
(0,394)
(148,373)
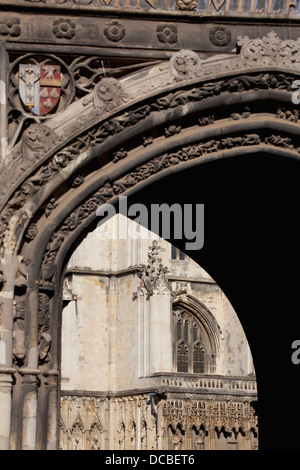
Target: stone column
(29,410)
(6,378)
(7,278)
(51,385)
(3,103)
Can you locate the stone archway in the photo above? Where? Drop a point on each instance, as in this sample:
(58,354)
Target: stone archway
(122,137)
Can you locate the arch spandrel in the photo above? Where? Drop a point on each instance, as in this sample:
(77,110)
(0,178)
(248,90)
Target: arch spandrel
(78,160)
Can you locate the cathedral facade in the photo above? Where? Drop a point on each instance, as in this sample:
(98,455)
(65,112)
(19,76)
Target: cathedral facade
(154,356)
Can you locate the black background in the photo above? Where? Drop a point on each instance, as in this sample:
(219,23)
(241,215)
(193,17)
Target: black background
(251,250)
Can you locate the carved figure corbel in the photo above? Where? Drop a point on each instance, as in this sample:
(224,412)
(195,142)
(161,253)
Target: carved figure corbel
(181,288)
(36,141)
(184,65)
(107,95)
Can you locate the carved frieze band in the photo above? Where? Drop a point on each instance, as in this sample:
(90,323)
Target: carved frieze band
(182,419)
(68,30)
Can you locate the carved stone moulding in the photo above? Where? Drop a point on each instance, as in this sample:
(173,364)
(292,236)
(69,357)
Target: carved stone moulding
(36,135)
(138,36)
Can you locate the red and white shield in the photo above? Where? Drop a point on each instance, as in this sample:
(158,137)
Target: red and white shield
(40,87)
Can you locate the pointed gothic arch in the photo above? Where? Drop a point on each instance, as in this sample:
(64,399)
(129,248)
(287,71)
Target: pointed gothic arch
(196,336)
(97,150)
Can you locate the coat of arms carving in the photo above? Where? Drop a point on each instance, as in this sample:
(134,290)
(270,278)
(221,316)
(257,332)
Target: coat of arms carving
(40,87)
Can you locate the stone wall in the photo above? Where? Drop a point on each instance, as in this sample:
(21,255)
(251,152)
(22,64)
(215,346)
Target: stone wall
(111,342)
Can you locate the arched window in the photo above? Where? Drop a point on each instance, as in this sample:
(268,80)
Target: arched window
(182,357)
(198,359)
(177,254)
(193,346)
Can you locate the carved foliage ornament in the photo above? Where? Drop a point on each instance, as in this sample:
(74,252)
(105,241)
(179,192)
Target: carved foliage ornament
(114,31)
(64,28)
(167,34)
(10,27)
(184,65)
(220,36)
(152,274)
(270,49)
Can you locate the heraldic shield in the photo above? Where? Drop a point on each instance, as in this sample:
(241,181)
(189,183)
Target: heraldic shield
(39,87)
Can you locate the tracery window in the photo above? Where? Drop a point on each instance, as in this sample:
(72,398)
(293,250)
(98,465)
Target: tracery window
(191,346)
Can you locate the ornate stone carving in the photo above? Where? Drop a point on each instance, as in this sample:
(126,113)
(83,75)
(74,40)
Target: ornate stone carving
(172,130)
(289,115)
(206,120)
(220,36)
(36,141)
(114,31)
(181,288)
(152,274)
(244,115)
(269,49)
(167,33)
(44,312)
(19,349)
(189,5)
(77,181)
(149,275)
(50,207)
(147,141)
(184,65)
(98,133)
(31,232)
(119,155)
(107,95)
(64,28)
(44,336)
(10,26)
